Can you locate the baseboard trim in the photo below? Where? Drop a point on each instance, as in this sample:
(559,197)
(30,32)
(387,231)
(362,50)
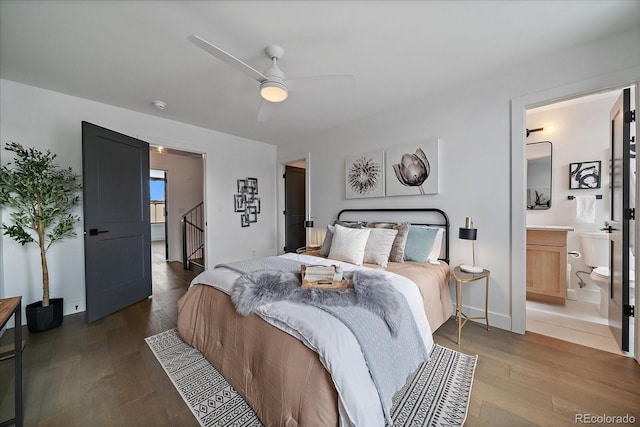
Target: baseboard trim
(496,320)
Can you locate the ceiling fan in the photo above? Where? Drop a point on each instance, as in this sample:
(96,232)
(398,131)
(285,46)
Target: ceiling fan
(274,87)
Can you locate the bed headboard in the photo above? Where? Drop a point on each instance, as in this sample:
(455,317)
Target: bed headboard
(416,216)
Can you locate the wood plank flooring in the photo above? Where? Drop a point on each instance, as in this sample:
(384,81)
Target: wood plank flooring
(103,373)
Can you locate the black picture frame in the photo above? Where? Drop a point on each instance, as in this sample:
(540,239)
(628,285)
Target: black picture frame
(246,202)
(252,184)
(244,219)
(585,175)
(249,197)
(242,184)
(238,203)
(252,213)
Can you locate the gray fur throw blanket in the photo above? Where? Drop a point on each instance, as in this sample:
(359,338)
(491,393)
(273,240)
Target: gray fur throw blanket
(371,290)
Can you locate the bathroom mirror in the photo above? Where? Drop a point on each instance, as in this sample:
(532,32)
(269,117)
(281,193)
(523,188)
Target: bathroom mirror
(539,175)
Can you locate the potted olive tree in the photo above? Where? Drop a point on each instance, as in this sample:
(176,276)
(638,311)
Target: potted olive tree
(41,197)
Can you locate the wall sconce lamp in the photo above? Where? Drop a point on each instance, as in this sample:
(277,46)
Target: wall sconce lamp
(530,131)
(469,233)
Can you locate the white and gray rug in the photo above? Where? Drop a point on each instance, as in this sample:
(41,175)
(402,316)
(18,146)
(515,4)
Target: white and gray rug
(437,394)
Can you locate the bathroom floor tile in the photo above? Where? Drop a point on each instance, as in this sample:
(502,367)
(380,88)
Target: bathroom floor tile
(549,330)
(572,323)
(606,343)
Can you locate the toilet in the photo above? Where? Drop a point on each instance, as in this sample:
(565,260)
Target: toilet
(595,252)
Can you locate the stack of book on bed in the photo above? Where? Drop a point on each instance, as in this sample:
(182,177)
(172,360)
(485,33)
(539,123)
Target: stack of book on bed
(323,276)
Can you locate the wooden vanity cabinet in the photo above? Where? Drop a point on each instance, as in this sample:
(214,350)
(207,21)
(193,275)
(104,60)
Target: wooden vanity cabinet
(547,265)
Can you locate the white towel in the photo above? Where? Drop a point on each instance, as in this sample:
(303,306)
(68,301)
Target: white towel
(586,209)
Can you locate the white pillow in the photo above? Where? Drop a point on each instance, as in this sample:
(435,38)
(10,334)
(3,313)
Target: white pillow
(434,253)
(348,244)
(379,246)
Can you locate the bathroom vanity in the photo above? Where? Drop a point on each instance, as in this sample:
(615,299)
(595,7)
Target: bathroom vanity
(547,263)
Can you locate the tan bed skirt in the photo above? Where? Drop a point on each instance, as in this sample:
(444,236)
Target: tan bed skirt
(279,377)
(433,282)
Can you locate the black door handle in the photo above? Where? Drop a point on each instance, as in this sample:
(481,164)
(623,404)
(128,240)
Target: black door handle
(609,229)
(95,231)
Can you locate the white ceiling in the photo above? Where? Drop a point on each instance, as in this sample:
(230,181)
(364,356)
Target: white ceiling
(129,53)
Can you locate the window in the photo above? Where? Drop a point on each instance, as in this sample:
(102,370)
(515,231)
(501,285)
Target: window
(158,187)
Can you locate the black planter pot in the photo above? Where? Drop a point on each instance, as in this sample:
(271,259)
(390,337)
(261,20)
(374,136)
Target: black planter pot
(41,318)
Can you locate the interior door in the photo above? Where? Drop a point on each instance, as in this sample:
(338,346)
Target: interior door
(621,214)
(117,220)
(294,208)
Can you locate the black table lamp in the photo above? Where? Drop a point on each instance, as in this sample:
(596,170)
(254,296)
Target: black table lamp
(469,233)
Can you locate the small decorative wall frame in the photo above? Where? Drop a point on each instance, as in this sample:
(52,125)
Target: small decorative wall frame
(584,175)
(247,201)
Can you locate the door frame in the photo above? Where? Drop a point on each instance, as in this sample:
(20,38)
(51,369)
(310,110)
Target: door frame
(282,163)
(608,82)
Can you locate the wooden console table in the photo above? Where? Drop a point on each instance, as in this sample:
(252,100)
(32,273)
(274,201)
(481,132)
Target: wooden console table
(9,307)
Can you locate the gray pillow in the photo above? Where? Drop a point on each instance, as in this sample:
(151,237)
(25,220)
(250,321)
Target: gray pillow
(328,238)
(397,251)
(351,224)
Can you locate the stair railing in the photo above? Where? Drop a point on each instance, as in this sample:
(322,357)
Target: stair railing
(193,225)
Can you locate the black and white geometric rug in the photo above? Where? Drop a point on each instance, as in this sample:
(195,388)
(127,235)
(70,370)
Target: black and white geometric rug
(437,394)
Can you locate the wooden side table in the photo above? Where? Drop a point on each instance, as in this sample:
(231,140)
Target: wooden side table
(308,250)
(9,307)
(464,277)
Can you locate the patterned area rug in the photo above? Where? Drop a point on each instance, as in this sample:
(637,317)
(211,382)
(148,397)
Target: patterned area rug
(437,394)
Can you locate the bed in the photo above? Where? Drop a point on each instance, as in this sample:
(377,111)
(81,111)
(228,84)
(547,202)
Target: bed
(285,377)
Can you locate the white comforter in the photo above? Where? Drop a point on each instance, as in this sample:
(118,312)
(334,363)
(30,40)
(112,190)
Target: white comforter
(337,347)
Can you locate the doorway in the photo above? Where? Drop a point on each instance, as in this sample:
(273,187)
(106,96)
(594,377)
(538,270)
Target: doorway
(294,206)
(184,172)
(303,162)
(578,130)
(183,175)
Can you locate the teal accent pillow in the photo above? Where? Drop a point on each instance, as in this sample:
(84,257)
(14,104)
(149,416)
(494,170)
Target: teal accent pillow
(420,240)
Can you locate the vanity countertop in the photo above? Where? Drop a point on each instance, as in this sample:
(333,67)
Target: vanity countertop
(550,227)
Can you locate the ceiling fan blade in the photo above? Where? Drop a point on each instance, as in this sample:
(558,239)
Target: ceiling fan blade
(264,110)
(321,83)
(227,57)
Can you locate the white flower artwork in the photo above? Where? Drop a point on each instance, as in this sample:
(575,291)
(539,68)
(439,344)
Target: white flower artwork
(413,169)
(364,175)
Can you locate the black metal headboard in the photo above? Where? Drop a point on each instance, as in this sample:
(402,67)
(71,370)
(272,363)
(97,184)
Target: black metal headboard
(422,216)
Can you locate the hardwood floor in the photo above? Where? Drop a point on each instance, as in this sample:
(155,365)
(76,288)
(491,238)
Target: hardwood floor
(103,373)
(532,379)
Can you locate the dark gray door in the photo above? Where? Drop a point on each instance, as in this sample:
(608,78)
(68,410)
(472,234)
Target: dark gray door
(294,208)
(117,222)
(621,213)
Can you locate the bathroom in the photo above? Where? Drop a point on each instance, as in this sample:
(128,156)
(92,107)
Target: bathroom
(577,136)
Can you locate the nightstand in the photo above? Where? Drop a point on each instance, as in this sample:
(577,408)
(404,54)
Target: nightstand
(461,278)
(307,250)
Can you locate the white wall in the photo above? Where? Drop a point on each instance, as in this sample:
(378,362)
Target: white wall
(184,191)
(473,122)
(580,132)
(157,232)
(49,120)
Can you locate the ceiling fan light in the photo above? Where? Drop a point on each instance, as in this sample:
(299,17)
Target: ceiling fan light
(273,91)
